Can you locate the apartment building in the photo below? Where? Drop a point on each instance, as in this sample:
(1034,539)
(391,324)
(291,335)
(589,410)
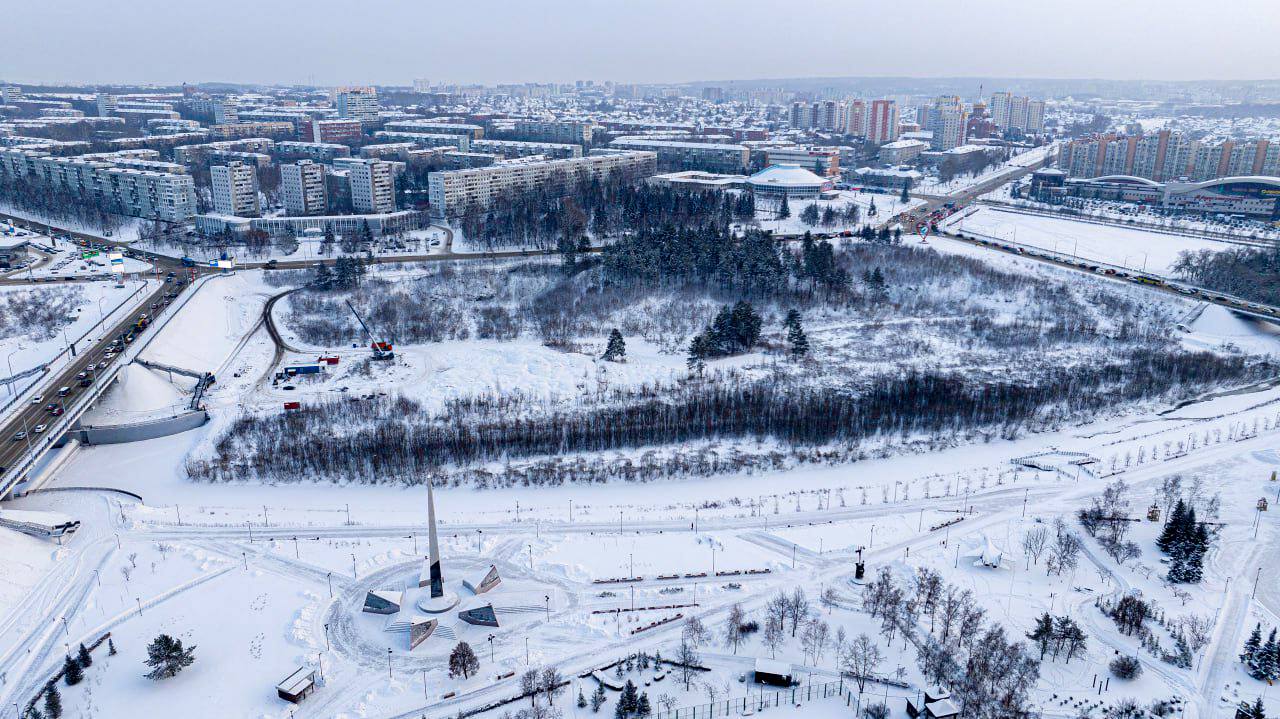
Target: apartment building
(235,189)
(513,148)
(882,122)
(855,117)
(373,187)
(318,151)
(824,161)
(474,132)
(1009,111)
(453,192)
(578,133)
(226,112)
(303,187)
(356,103)
(190,154)
(675,156)
(149,194)
(1164,156)
(461,143)
(336,131)
(278,130)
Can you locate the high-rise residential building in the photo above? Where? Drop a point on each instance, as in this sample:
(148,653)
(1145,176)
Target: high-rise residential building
(1035,117)
(226,112)
(947,119)
(829,115)
(855,117)
(1165,156)
(801,116)
(106,105)
(1017,112)
(882,122)
(373,186)
(235,189)
(421,84)
(303,187)
(10,94)
(357,103)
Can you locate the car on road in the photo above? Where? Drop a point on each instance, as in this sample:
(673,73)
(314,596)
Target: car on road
(39,428)
(37,399)
(19,436)
(51,406)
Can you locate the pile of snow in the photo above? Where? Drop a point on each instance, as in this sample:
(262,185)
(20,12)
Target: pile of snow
(138,394)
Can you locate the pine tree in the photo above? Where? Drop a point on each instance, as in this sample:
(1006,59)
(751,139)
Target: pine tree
(72,673)
(784,210)
(597,698)
(84,658)
(795,334)
(1172,530)
(629,699)
(166,657)
(52,701)
(582,699)
(642,705)
(111,647)
(324,277)
(1264,666)
(906,192)
(698,352)
(1043,633)
(1252,645)
(616,350)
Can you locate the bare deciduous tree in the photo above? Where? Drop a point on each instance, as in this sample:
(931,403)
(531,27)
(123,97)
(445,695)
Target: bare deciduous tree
(860,659)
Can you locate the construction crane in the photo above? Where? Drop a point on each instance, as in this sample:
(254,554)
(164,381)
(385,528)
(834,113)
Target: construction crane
(381,350)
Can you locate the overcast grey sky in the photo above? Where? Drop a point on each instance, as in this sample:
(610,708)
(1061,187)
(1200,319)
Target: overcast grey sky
(394,41)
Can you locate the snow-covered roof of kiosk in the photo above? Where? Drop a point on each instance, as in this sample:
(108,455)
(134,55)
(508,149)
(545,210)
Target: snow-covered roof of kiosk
(788,175)
(774,667)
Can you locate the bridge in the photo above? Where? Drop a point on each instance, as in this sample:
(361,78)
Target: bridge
(19,457)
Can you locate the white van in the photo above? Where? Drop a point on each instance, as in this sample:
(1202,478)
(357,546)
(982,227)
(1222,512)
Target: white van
(64,391)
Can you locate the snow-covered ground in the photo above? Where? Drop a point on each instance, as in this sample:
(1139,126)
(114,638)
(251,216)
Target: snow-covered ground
(1131,248)
(93,301)
(252,627)
(887,206)
(265,578)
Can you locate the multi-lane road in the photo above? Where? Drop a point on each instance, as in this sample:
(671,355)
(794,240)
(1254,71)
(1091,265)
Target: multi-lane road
(18,434)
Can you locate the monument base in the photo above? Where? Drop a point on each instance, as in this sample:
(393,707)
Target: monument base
(437,605)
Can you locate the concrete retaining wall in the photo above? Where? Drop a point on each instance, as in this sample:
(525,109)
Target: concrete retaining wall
(138,431)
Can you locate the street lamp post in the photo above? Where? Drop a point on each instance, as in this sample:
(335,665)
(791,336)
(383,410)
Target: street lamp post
(9,360)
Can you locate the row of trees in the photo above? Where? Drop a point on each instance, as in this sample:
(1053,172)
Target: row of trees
(1251,273)
(922,403)
(56,203)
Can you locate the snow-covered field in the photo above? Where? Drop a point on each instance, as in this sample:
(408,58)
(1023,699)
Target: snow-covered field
(1125,247)
(263,578)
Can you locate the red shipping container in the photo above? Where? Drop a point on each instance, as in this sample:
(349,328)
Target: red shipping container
(293,405)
